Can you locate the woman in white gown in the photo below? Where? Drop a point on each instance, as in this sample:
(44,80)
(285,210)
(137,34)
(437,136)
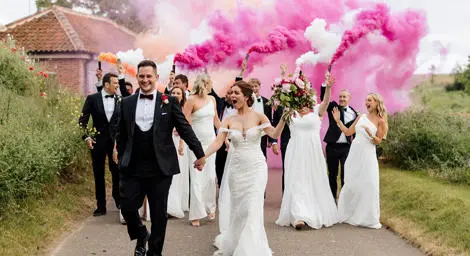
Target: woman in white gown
(178,197)
(307,196)
(200,110)
(246,174)
(359,203)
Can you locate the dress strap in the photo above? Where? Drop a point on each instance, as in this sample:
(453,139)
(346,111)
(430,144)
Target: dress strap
(222,129)
(265,125)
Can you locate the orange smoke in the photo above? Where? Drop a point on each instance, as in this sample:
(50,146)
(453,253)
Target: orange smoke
(112,58)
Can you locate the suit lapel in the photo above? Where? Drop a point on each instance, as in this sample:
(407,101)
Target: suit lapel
(116,106)
(101,110)
(132,109)
(158,110)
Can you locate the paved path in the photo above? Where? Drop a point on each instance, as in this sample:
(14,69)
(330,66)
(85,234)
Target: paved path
(106,236)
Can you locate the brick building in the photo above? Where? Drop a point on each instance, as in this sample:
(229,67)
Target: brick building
(67,43)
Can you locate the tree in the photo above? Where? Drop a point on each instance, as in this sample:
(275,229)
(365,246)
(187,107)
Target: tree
(122,12)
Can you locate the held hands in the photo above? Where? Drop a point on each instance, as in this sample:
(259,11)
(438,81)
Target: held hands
(227,145)
(199,164)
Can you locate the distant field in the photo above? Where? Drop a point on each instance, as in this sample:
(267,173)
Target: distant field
(433,95)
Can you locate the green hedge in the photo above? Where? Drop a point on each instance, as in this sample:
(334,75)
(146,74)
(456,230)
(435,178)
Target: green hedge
(434,141)
(40,140)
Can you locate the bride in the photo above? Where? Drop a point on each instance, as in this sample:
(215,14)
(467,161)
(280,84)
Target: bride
(246,175)
(307,198)
(359,203)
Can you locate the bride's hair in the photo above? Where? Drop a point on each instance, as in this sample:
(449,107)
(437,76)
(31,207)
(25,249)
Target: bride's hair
(246,90)
(199,87)
(381,109)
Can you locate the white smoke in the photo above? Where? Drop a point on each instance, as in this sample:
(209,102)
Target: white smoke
(132,57)
(324,42)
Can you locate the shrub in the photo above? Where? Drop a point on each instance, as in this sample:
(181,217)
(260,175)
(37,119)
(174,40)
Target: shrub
(430,140)
(39,135)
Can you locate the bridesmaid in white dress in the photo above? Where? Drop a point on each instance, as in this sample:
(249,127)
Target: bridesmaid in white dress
(177,198)
(246,174)
(201,112)
(307,197)
(359,203)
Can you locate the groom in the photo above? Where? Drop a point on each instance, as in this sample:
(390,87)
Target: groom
(337,144)
(147,156)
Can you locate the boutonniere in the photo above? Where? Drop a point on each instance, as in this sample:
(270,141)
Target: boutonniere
(118,99)
(165,99)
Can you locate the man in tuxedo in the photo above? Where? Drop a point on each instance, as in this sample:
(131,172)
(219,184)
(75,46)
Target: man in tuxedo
(103,107)
(125,87)
(147,156)
(224,110)
(178,81)
(285,137)
(261,106)
(337,144)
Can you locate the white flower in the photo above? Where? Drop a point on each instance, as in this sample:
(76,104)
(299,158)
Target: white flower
(286,88)
(300,83)
(277,81)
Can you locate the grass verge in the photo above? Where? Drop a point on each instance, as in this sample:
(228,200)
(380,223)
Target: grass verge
(41,222)
(432,214)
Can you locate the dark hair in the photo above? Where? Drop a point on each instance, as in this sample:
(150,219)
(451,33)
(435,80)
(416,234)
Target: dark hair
(147,63)
(246,90)
(183,95)
(183,78)
(107,77)
(128,84)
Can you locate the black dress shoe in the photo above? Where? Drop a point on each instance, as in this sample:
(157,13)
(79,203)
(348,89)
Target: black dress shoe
(141,246)
(99,212)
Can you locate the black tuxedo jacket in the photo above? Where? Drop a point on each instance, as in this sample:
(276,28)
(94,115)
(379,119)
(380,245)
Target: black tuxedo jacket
(285,135)
(333,133)
(166,118)
(268,111)
(105,130)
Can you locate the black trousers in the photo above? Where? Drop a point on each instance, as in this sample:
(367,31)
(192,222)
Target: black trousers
(220,159)
(336,154)
(133,190)
(283,155)
(98,157)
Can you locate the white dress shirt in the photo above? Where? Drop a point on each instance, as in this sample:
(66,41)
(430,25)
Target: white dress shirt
(258,106)
(349,115)
(145,111)
(108,104)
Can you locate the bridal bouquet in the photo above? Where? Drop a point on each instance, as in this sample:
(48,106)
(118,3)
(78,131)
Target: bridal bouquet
(292,93)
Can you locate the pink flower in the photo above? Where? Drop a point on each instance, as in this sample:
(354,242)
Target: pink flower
(286,88)
(31,68)
(13,49)
(165,99)
(43,94)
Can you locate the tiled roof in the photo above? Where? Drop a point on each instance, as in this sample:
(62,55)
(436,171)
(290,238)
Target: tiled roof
(59,29)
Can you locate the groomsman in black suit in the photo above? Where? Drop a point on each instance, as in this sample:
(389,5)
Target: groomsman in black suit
(178,81)
(337,144)
(148,158)
(261,105)
(285,137)
(125,87)
(103,107)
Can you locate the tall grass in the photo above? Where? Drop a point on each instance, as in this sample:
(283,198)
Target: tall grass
(40,140)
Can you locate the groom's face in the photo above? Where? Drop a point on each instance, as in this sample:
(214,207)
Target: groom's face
(147,77)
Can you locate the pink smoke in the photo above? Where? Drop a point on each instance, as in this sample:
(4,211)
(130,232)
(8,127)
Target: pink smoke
(367,22)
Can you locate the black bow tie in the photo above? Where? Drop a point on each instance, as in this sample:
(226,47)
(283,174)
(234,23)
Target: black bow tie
(109,96)
(345,109)
(259,99)
(146,96)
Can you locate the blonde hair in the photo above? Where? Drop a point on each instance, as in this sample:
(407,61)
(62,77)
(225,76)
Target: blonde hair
(199,87)
(381,109)
(254,81)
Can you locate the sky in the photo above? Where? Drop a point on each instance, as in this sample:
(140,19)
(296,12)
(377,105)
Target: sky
(448,22)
